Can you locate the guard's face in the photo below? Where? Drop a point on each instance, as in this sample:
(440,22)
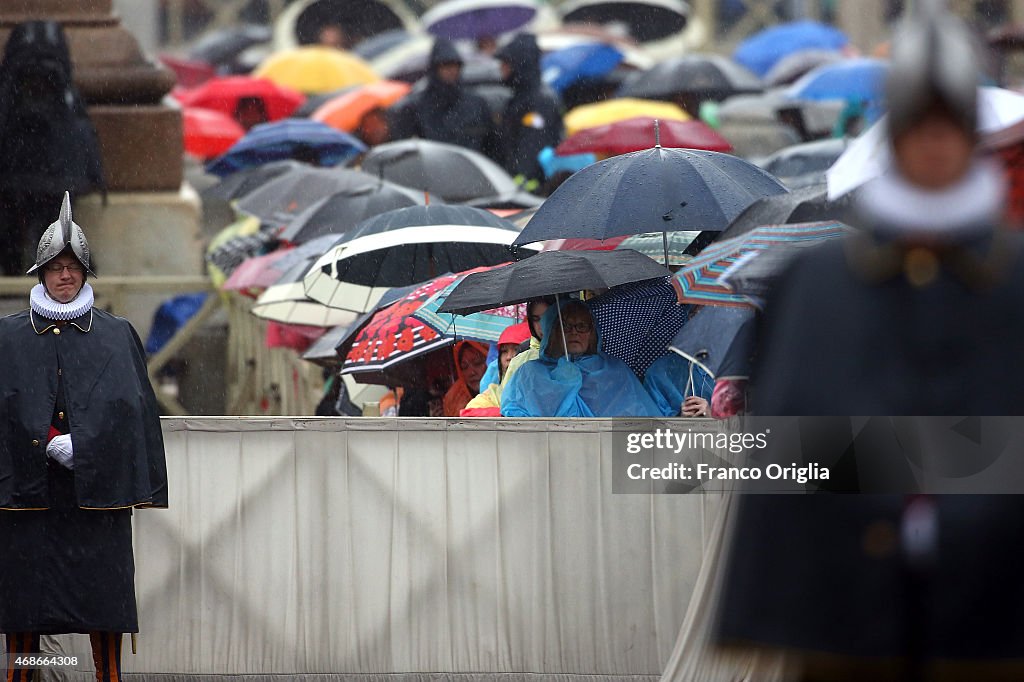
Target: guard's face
(63,278)
(935,154)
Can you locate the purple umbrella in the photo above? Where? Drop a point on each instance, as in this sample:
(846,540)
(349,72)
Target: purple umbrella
(474,19)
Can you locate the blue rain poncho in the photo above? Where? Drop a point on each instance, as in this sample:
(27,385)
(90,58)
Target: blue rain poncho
(596,385)
(672,378)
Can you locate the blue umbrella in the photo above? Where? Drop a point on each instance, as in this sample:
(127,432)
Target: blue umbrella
(291,138)
(568,66)
(854,80)
(655,190)
(763,50)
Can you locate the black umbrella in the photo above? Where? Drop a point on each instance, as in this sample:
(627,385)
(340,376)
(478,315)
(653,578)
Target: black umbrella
(692,78)
(379,44)
(222,46)
(345,209)
(406,246)
(453,173)
(361,19)
(805,205)
(239,184)
(549,273)
(803,165)
(283,198)
(655,190)
(718,338)
(648,20)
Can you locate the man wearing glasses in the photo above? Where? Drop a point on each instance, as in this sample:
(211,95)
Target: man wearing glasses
(80,447)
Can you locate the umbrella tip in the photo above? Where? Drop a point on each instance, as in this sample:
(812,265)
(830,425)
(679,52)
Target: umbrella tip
(657,133)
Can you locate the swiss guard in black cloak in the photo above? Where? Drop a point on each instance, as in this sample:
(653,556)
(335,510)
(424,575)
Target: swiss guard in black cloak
(80,447)
(47,143)
(919,314)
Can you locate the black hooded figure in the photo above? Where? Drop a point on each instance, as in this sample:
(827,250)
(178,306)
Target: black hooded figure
(47,142)
(444,111)
(532,120)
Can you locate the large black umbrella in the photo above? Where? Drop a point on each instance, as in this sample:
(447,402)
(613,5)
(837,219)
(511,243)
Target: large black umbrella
(647,20)
(805,205)
(452,173)
(360,19)
(719,339)
(345,209)
(283,198)
(239,184)
(406,246)
(549,273)
(655,190)
(696,77)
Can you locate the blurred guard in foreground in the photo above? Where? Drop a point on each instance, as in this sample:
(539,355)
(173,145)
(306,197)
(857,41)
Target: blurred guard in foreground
(80,447)
(920,314)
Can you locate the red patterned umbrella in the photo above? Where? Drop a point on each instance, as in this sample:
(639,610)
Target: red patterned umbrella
(639,133)
(392,335)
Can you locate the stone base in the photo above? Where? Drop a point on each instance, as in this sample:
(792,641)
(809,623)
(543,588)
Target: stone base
(141,146)
(142,233)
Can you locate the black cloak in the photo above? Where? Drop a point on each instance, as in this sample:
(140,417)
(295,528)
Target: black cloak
(856,328)
(113,414)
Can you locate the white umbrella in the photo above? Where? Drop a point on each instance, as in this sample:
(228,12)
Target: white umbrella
(869,155)
(286,302)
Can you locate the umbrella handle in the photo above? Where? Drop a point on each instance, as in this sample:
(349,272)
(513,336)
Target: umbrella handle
(561,329)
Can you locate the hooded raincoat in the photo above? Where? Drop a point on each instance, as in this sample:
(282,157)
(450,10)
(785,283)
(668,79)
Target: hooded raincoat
(443,112)
(531,120)
(595,385)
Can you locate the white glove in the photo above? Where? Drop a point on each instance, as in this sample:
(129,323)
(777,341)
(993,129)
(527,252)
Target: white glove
(59,448)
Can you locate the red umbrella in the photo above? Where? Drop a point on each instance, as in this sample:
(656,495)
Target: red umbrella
(189,73)
(224,95)
(639,133)
(609,244)
(298,337)
(210,133)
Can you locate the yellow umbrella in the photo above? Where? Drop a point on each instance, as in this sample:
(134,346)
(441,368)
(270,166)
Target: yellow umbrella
(315,70)
(615,110)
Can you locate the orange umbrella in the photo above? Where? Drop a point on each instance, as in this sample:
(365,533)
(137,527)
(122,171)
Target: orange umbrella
(209,133)
(346,111)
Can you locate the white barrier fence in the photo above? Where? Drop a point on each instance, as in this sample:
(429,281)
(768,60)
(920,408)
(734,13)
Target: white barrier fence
(407,548)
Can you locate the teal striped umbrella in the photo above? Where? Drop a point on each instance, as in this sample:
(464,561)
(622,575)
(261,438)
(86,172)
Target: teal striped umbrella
(485,326)
(652,245)
(700,282)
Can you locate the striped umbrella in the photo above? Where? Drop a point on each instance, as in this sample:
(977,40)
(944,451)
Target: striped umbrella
(485,326)
(701,281)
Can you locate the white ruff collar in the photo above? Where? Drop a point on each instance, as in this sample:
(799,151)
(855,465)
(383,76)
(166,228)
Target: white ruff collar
(971,206)
(46,307)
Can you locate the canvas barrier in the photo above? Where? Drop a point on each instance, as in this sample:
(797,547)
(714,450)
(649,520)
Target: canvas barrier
(413,549)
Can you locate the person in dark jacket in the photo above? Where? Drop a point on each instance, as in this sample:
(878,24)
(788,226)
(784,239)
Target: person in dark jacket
(80,448)
(444,111)
(915,314)
(47,142)
(531,120)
